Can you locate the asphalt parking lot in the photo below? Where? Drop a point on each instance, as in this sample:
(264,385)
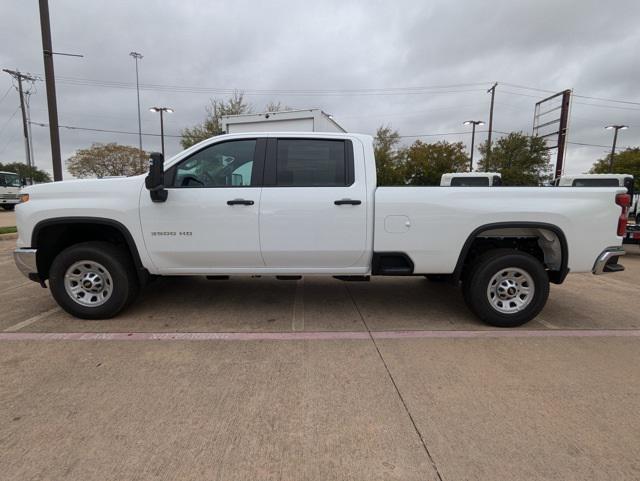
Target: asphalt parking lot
(259,379)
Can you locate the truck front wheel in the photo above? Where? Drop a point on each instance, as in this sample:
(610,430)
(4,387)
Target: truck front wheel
(93,280)
(506,288)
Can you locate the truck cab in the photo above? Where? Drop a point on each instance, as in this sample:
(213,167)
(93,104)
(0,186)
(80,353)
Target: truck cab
(10,185)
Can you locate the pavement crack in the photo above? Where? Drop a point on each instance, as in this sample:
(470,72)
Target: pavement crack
(395,386)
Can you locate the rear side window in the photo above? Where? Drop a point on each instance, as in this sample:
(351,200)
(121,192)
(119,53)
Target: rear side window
(595,183)
(312,163)
(470,182)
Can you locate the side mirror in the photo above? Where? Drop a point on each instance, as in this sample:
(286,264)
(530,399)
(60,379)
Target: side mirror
(154,182)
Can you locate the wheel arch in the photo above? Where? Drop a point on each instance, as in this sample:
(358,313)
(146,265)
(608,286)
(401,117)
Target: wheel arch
(62,232)
(520,230)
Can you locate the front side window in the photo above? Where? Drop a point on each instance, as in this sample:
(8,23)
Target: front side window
(228,164)
(310,163)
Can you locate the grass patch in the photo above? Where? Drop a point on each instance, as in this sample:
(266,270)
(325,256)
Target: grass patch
(8,230)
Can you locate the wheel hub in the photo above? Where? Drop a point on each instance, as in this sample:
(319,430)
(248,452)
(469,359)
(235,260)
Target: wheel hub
(88,283)
(510,290)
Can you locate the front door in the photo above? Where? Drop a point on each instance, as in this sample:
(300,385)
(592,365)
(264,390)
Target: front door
(313,210)
(210,219)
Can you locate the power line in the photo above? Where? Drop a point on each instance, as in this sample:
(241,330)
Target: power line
(9,120)
(74,127)
(419,90)
(588,97)
(6,93)
(597,145)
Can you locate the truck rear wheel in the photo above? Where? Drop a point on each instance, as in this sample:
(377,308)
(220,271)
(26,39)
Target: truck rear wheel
(93,280)
(506,288)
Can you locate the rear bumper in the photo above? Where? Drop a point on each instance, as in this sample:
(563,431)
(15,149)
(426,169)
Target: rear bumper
(25,260)
(607,261)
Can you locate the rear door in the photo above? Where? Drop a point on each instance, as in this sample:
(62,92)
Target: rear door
(313,208)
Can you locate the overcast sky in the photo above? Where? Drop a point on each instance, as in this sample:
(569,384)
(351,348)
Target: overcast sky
(451,51)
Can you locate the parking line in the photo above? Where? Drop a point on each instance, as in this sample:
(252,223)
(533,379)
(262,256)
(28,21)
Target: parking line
(547,324)
(309,335)
(31,320)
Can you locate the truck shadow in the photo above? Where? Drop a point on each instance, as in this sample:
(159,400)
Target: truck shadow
(314,303)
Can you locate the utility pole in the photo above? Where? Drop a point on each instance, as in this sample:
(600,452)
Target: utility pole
(615,128)
(161,111)
(50,82)
(473,123)
(20,77)
(137,56)
(493,96)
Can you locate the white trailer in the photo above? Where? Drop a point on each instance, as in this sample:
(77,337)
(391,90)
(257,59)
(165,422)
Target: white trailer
(311,120)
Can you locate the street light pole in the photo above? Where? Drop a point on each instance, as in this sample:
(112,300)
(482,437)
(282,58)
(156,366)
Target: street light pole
(615,129)
(137,56)
(473,123)
(493,96)
(161,110)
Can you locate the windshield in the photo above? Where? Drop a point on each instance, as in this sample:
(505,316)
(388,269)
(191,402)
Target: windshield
(9,180)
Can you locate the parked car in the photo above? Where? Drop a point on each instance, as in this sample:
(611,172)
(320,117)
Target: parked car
(309,206)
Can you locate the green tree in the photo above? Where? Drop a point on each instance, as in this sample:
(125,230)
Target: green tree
(212,126)
(520,158)
(26,172)
(101,160)
(388,162)
(425,163)
(625,162)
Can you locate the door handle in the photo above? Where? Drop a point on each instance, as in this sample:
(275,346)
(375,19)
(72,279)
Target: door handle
(239,202)
(347,202)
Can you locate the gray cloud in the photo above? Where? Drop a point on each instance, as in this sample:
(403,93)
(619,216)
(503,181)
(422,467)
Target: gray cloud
(286,45)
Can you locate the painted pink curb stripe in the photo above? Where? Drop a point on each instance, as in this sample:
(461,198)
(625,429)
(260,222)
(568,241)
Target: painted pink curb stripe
(310,336)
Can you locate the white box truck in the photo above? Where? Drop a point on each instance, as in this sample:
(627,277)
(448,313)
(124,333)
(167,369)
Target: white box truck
(310,120)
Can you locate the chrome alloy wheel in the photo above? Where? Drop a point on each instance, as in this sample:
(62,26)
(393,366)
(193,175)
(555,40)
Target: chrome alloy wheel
(510,290)
(88,283)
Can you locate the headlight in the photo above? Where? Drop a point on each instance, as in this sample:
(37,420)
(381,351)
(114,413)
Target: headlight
(24,198)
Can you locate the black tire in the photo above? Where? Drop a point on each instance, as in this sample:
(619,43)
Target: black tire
(477,281)
(115,260)
(9,206)
(438,277)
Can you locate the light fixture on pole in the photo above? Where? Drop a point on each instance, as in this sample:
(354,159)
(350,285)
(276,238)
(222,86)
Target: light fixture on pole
(137,56)
(473,123)
(162,110)
(615,128)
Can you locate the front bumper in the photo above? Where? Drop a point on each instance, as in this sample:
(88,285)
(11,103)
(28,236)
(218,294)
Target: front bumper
(607,261)
(25,259)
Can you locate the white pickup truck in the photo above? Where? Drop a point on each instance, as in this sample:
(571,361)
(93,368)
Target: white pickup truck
(294,204)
